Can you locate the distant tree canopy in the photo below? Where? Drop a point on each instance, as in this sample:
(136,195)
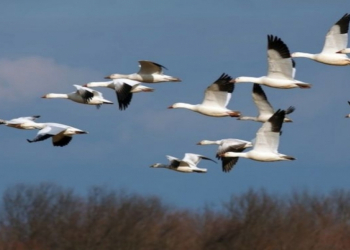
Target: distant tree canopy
(49,217)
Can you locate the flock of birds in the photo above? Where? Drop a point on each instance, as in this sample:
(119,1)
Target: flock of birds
(281,73)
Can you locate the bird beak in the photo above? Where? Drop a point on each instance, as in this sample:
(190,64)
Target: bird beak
(107,77)
(85,85)
(198,143)
(44,96)
(232,81)
(170,107)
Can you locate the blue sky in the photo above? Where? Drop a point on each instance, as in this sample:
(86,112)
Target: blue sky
(47,47)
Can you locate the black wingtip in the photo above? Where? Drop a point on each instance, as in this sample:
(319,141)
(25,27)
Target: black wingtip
(207,158)
(290,110)
(29,141)
(277,120)
(157,64)
(349,102)
(276,43)
(257,89)
(224,77)
(343,23)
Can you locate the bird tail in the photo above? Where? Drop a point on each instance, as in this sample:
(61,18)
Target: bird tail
(107,102)
(304,85)
(200,170)
(175,79)
(288,157)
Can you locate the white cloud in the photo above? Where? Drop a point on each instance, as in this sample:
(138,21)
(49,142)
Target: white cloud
(31,77)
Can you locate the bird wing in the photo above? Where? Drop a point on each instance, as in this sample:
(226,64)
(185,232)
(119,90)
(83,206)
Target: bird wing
(337,36)
(267,137)
(47,132)
(148,67)
(175,162)
(279,59)
(194,159)
(230,145)
(124,94)
(219,93)
(260,100)
(61,140)
(20,120)
(31,118)
(86,93)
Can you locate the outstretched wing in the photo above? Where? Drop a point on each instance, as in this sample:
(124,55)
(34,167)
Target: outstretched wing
(194,159)
(230,145)
(86,93)
(219,92)
(337,36)
(148,67)
(279,59)
(267,137)
(46,132)
(260,100)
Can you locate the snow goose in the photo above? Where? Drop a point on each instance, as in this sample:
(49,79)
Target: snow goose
(264,107)
(266,143)
(336,41)
(281,68)
(149,72)
(61,134)
(216,98)
(82,95)
(187,165)
(22,122)
(227,145)
(124,89)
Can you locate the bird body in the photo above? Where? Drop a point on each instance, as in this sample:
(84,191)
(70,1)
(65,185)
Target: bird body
(264,107)
(216,98)
(150,72)
(124,89)
(187,165)
(336,41)
(227,145)
(266,143)
(61,134)
(82,95)
(22,122)
(281,68)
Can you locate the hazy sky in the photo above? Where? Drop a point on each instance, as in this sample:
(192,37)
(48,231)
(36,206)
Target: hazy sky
(47,47)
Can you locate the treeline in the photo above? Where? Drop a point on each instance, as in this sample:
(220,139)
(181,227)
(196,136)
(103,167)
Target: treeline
(49,217)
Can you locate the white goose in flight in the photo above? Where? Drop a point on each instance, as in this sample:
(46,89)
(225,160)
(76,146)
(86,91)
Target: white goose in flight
(149,72)
(22,122)
(228,145)
(187,165)
(266,143)
(61,134)
(82,95)
(333,52)
(124,88)
(216,98)
(264,107)
(281,68)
